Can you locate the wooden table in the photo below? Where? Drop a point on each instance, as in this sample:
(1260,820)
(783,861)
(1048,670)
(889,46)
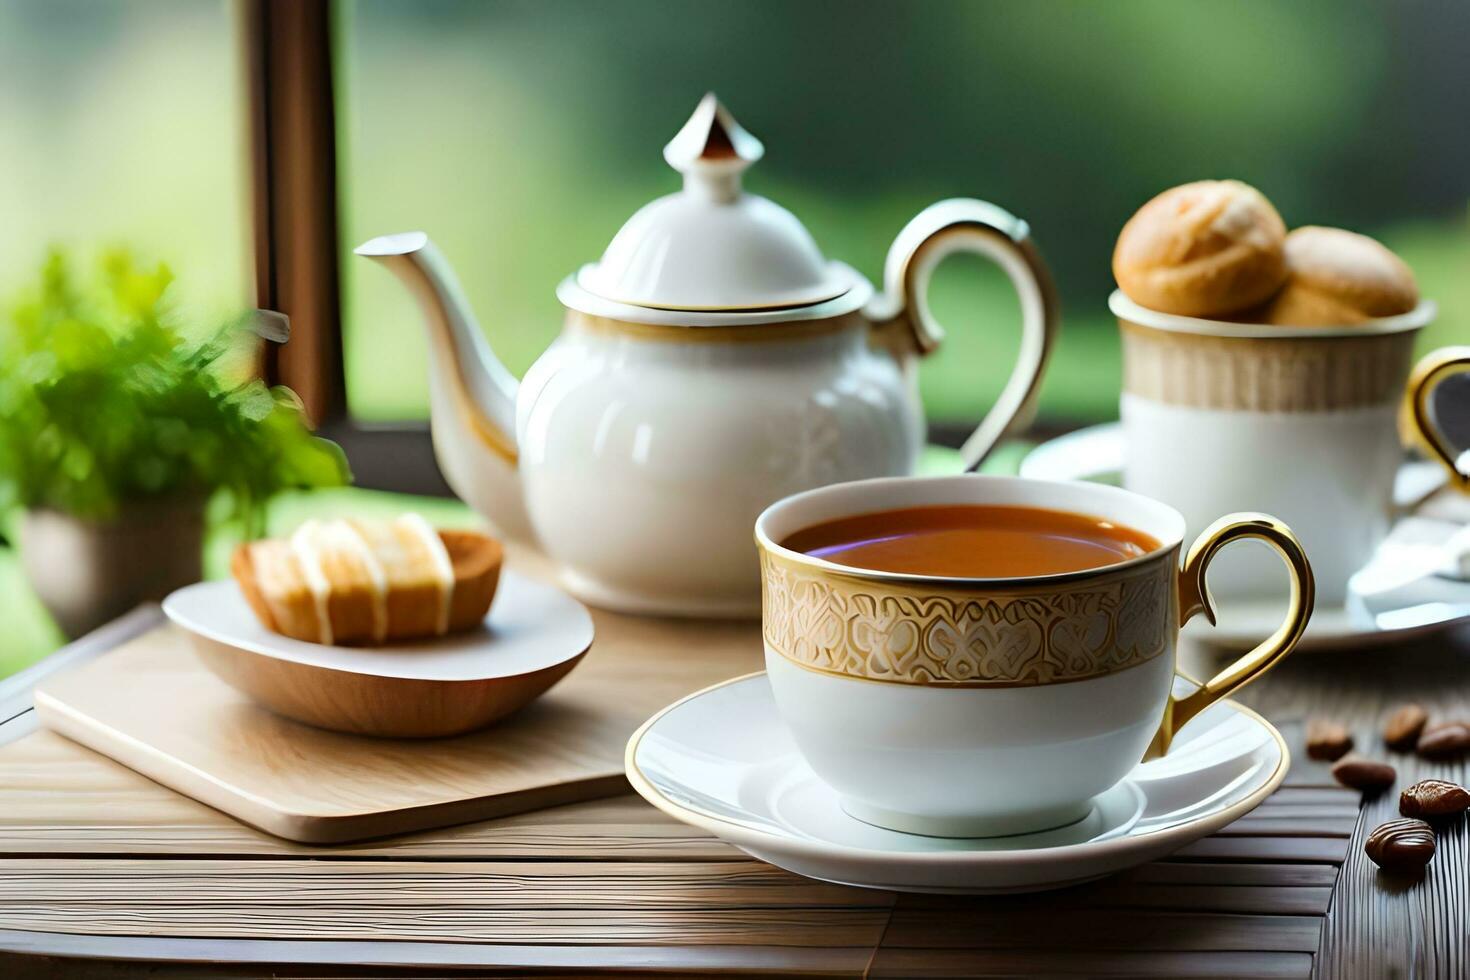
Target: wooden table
(104,873)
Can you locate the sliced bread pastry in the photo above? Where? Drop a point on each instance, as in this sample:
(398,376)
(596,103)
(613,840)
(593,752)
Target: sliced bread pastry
(352,582)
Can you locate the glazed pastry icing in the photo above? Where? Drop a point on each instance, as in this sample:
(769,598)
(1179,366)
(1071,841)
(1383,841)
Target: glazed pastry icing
(433,545)
(314,544)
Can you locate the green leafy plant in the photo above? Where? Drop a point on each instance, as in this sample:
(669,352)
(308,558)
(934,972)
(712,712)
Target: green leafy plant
(106,401)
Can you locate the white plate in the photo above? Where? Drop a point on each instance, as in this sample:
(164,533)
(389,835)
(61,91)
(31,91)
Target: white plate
(1096,454)
(1244,622)
(722,760)
(530,627)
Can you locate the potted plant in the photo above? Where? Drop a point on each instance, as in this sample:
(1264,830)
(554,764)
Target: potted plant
(118,428)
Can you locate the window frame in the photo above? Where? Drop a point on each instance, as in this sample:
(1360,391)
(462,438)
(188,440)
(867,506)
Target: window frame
(292,141)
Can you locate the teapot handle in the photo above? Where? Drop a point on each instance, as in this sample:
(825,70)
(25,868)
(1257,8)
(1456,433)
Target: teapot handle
(964,224)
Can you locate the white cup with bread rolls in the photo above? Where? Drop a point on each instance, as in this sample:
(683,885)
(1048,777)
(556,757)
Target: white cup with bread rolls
(1266,371)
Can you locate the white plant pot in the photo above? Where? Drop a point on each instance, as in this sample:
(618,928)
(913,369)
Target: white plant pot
(87,573)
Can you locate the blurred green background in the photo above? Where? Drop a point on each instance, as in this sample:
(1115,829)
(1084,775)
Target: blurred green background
(521,134)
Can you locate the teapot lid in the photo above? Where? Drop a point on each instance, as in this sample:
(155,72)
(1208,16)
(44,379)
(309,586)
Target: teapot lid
(712,247)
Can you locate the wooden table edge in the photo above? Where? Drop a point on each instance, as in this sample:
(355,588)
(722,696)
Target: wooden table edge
(400,954)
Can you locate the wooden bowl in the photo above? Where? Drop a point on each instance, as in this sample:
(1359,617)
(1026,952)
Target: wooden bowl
(533,636)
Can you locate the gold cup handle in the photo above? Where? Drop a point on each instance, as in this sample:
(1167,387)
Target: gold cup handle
(1194,597)
(1416,427)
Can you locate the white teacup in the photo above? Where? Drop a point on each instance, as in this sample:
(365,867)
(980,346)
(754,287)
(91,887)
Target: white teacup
(1295,421)
(960,707)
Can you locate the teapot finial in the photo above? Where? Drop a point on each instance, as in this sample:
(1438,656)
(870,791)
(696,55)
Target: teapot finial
(712,150)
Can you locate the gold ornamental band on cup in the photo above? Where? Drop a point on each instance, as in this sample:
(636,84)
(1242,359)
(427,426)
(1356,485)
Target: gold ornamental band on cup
(881,628)
(1299,372)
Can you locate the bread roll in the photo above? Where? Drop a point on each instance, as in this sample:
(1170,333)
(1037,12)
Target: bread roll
(1339,278)
(356,583)
(1206,249)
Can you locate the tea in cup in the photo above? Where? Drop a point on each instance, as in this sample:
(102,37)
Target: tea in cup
(982,656)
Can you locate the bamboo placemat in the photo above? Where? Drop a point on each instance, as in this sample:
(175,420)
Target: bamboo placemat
(97,861)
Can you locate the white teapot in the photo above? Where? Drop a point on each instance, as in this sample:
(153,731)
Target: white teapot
(711,363)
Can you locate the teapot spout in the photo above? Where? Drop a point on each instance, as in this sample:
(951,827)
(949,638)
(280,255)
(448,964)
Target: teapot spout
(473,395)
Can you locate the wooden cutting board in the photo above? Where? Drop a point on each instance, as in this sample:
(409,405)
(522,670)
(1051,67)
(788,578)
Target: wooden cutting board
(153,707)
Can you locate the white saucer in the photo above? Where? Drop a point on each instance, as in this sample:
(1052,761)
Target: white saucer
(531,638)
(722,760)
(1096,454)
(530,627)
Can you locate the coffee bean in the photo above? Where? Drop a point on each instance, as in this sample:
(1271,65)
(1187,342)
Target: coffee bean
(1327,740)
(1401,731)
(1401,846)
(1430,798)
(1365,775)
(1445,741)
